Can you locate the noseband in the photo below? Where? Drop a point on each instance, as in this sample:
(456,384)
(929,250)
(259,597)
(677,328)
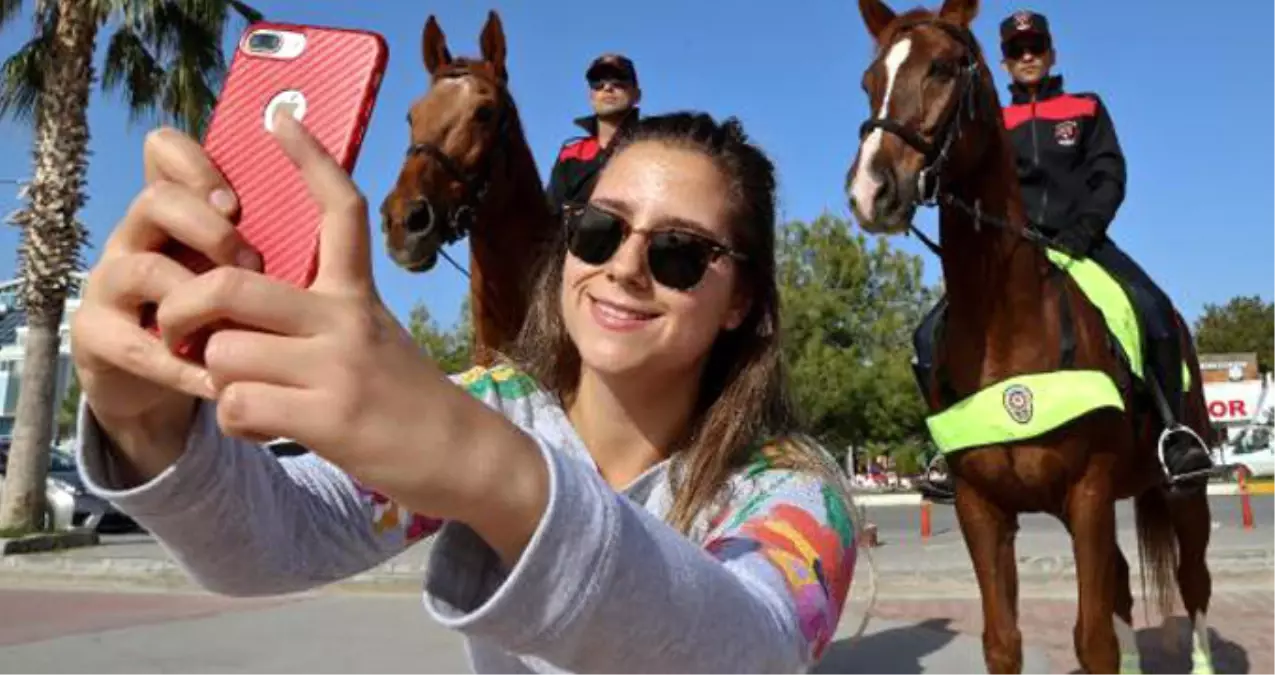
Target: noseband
(476,182)
(936,151)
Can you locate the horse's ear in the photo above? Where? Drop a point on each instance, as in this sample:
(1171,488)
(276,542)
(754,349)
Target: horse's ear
(493,44)
(959,12)
(876,15)
(434,46)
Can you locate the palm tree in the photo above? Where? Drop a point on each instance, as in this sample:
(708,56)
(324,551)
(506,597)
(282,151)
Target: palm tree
(164,57)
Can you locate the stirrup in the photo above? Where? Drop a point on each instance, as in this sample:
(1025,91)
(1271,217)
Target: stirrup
(935,492)
(1190,478)
(942,492)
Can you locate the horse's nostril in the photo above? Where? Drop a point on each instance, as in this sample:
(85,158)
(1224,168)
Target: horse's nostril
(420,219)
(887,193)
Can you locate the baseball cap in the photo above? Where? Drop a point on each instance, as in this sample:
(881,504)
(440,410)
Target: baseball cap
(1024,23)
(615,66)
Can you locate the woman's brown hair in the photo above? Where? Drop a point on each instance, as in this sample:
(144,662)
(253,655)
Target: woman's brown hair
(744,398)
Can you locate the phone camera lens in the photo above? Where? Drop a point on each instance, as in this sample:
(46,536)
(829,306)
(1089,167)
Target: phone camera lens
(264,43)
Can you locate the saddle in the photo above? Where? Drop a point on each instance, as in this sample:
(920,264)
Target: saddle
(1124,324)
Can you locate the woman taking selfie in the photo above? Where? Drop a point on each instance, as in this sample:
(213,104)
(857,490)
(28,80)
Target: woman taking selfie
(630,492)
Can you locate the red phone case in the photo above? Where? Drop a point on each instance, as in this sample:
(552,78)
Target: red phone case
(338,73)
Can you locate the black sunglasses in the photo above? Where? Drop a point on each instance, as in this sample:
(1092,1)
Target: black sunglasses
(1015,49)
(599,83)
(677,258)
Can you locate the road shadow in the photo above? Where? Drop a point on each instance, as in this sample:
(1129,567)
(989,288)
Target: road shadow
(1174,656)
(893,650)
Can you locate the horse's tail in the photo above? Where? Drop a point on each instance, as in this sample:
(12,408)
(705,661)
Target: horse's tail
(1157,550)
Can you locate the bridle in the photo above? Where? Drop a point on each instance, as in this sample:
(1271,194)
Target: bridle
(930,190)
(476,181)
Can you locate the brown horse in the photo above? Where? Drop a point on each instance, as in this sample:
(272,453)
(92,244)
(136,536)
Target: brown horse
(469,171)
(936,136)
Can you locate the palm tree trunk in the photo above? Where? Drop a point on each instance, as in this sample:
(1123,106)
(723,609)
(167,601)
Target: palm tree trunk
(50,252)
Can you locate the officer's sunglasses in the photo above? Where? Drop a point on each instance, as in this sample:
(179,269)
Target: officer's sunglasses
(598,83)
(604,75)
(1015,49)
(677,258)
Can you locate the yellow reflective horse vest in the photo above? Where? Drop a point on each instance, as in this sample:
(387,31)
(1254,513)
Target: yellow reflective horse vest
(1022,407)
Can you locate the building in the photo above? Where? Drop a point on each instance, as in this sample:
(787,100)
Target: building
(1234,390)
(13,333)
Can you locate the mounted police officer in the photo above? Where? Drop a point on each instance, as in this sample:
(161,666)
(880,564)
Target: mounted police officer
(614,96)
(1072,174)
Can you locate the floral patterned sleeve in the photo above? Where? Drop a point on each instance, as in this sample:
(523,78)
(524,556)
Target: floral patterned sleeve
(794,533)
(607,586)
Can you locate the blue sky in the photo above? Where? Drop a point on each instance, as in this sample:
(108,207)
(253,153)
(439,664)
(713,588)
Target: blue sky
(1190,91)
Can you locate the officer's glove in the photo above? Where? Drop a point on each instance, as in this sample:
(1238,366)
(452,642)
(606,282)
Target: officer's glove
(1079,239)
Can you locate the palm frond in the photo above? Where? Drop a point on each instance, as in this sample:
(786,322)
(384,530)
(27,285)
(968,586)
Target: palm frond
(9,9)
(245,11)
(132,71)
(136,15)
(188,98)
(22,78)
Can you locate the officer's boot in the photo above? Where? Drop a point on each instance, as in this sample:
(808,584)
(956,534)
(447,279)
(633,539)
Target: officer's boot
(1185,458)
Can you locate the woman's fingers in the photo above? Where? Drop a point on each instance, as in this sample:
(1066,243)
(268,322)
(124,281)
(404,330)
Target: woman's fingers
(255,410)
(237,355)
(117,339)
(128,282)
(115,291)
(345,258)
(171,156)
(165,211)
(236,296)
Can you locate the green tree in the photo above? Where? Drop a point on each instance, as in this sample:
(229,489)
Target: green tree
(451,350)
(849,308)
(1245,324)
(164,57)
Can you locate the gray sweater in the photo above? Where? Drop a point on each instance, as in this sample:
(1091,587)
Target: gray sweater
(604,584)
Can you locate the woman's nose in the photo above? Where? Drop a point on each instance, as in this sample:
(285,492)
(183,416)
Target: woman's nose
(629,262)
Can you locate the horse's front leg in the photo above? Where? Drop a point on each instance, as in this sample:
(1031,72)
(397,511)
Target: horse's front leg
(1091,518)
(989,535)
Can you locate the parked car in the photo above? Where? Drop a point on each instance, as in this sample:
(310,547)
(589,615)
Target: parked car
(1252,453)
(68,503)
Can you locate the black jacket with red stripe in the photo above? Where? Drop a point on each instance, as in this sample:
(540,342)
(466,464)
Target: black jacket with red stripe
(579,162)
(1069,161)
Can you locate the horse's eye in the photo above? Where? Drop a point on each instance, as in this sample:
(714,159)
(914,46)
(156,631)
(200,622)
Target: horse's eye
(483,114)
(943,70)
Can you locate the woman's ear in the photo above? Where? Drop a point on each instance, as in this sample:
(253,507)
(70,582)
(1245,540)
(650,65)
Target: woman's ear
(741,304)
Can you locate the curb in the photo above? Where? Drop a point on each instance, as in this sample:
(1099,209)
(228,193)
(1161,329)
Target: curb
(45,542)
(57,570)
(914,498)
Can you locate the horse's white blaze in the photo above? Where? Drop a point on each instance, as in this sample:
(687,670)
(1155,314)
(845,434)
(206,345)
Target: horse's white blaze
(1201,652)
(863,188)
(1130,659)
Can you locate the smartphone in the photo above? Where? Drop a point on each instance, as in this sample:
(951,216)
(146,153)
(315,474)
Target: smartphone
(328,79)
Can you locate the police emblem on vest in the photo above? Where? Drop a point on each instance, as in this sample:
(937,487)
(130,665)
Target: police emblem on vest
(1018,403)
(1065,132)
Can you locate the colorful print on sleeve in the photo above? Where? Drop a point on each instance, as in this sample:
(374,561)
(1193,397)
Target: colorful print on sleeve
(496,386)
(800,528)
(391,520)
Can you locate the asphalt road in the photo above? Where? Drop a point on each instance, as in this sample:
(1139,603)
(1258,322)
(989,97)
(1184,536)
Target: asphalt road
(78,631)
